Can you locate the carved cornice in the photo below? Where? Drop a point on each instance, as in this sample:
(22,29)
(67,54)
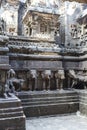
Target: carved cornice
(26,45)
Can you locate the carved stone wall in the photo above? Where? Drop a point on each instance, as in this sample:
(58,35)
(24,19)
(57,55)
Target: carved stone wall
(9,14)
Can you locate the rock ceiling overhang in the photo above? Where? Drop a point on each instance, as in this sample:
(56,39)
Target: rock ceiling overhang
(13,1)
(80,1)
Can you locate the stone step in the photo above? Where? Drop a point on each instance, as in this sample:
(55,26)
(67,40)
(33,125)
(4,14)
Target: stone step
(13,123)
(83,102)
(33,99)
(10,103)
(52,99)
(11,114)
(40,94)
(49,103)
(6,110)
(50,109)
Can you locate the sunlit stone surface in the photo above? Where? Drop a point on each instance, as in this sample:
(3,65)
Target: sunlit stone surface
(71,122)
(44,56)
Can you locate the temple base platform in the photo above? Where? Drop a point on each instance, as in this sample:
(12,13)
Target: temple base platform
(83,102)
(11,114)
(42,103)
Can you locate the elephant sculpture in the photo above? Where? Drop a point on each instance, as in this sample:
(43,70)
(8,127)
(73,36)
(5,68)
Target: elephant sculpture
(13,84)
(46,76)
(33,73)
(79,80)
(61,76)
(32,79)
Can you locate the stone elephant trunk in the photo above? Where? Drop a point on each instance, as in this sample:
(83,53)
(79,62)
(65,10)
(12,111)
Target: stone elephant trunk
(32,79)
(46,76)
(60,76)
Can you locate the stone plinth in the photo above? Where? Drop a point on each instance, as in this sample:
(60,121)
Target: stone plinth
(83,102)
(49,102)
(11,114)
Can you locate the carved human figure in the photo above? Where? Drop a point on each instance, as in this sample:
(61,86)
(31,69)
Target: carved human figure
(61,76)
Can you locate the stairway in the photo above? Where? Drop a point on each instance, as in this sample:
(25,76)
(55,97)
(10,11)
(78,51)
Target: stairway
(41,103)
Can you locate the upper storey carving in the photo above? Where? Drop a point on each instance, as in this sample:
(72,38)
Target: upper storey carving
(47,6)
(10,4)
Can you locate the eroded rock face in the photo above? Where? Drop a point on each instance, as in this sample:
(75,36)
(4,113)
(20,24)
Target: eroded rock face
(79,79)
(81,1)
(13,1)
(3,39)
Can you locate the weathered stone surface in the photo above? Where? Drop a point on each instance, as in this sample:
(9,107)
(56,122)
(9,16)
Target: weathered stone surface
(34,64)
(81,1)
(11,114)
(49,103)
(4,60)
(83,102)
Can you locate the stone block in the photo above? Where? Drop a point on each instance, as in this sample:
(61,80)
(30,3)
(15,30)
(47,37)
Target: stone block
(49,102)
(11,114)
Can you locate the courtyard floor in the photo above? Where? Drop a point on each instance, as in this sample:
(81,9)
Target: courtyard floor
(69,122)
